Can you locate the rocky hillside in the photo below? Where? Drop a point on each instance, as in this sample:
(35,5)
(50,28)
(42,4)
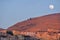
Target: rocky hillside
(43,23)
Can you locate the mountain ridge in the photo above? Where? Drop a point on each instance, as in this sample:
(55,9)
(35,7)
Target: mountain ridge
(38,23)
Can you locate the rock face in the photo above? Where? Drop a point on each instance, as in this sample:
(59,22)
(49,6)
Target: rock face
(15,37)
(40,28)
(42,23)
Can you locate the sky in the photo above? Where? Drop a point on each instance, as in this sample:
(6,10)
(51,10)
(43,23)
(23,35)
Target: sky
(13,11)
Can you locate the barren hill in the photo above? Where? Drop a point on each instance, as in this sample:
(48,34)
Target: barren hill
(51,21)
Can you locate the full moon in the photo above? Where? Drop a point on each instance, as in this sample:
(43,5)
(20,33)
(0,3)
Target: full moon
(51,7)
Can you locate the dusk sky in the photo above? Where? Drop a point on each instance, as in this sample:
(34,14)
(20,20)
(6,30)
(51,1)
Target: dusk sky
(13,11)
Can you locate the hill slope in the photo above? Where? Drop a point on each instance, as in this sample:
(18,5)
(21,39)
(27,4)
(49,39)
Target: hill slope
(51,21)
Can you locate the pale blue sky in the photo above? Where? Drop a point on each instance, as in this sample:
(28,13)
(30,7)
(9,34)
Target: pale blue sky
(13,11)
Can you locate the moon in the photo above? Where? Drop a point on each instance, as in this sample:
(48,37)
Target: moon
(51,7)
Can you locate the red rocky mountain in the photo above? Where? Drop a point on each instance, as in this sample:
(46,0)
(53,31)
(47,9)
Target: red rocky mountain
(42,23)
